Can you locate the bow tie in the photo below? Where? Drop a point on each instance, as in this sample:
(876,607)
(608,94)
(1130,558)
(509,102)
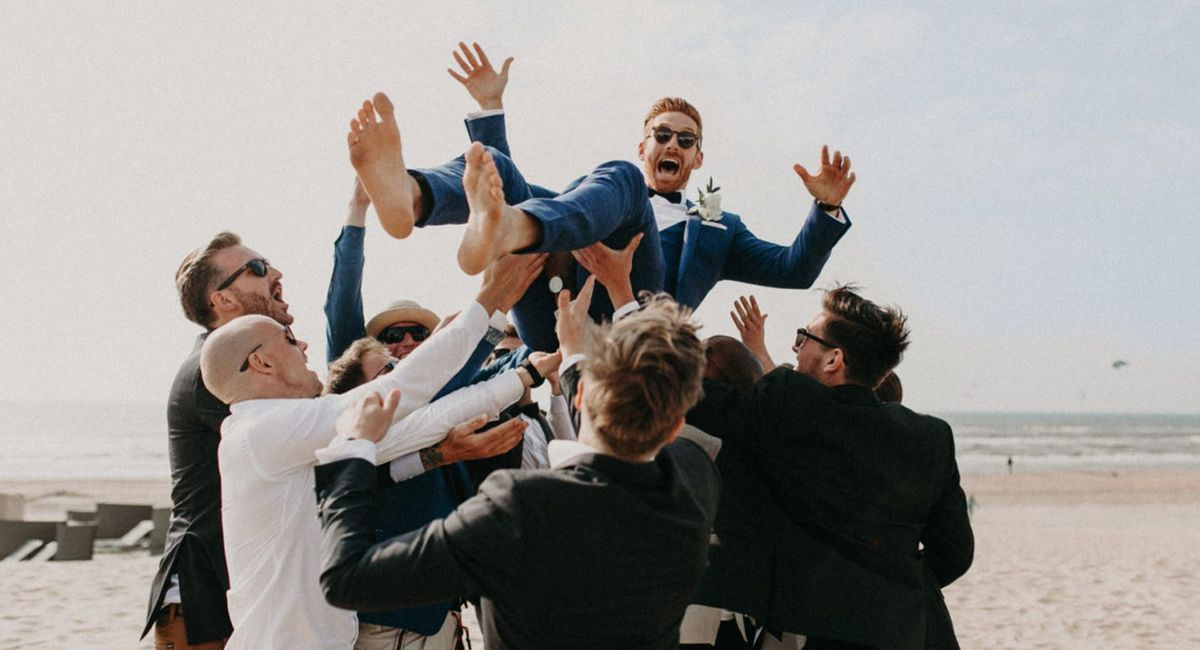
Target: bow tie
(673,197)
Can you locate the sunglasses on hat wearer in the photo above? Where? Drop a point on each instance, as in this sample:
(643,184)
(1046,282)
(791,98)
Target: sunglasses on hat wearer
(257,266)
(686,139)
(287,336)
(395,333)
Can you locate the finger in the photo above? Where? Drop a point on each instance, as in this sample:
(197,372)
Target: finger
(754,303)
(470,56)
(392,401)
(740,309)
(585,294)
(564,301)
(801,172)
(461,79)
(845,164)
(850,179)
(462,64)
(474,423)
(583,259)
(837,159)
(741,327)
(482,57)
(824,155)
(633,243)
(504,68)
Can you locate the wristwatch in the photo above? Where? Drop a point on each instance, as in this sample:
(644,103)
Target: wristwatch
(536,376)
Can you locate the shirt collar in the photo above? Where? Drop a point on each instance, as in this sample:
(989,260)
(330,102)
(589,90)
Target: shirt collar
(564,452)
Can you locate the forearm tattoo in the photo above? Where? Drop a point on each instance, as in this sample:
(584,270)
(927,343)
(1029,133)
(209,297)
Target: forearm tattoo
(431,457)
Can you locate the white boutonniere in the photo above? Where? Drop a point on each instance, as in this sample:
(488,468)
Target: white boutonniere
(708,205)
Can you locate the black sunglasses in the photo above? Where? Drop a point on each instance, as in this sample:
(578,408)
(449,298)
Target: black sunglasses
(686,139)
(387,367)
(257,266)
(803,333)
(287,336)
(395,333)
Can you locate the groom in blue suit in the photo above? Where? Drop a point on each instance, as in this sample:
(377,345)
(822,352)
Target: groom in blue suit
(701,244)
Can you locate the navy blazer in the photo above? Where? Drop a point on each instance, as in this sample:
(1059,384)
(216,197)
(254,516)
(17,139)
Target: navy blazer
(699,253)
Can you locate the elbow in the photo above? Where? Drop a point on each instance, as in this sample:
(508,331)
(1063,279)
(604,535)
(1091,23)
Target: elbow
(337,588)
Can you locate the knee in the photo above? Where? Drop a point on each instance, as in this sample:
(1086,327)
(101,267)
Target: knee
(627,173)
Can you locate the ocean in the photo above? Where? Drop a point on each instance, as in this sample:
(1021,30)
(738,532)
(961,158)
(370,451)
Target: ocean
(69,440)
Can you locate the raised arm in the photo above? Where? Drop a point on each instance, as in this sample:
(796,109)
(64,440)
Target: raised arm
(751,326)
(481,80)
(797,266)
(343,303)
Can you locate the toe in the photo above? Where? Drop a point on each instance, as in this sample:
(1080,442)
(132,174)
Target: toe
(383,104)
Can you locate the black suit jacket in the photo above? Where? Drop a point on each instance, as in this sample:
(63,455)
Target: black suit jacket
(600,553)
(195,545)
(872,518)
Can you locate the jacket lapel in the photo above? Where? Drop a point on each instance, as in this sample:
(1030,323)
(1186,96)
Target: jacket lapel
(691,235)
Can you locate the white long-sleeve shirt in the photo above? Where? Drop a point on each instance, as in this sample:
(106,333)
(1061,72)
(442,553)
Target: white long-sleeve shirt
(269,510)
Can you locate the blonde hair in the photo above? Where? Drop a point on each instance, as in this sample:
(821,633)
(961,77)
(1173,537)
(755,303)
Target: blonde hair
(346,371)
(642,376)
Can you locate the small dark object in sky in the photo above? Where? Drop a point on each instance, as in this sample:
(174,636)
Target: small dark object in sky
(1118,364)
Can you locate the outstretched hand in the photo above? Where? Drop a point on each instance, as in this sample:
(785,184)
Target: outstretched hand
(751,326)
(832,182)
(369,417)
(611,267)
(507,279)
(465,442)
(481,79)
(573,317)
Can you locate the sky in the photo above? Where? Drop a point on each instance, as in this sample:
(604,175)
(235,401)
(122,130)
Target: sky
(1028,177)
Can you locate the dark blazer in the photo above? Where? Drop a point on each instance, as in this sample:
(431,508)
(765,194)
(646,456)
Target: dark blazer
(873,520)
(600,553)
(195,545)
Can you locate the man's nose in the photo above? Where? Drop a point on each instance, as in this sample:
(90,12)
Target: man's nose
(303,345)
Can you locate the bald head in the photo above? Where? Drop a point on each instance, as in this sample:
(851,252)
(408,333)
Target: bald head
(227,349)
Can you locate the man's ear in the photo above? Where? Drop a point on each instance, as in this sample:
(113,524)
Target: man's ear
(642,149)
(225,304)
(260,362)
(835,362)
(699,160)
(675,431)
(578,399)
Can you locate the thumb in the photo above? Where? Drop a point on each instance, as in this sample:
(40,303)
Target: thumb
(802,172)
(633,243)
(504,68)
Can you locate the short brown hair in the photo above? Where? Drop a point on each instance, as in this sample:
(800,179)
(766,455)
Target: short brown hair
(642,375)
(346,371)
(872,338)
(196,276)
(675,105)
(730,361)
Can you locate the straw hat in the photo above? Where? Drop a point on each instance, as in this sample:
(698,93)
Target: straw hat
(399,312)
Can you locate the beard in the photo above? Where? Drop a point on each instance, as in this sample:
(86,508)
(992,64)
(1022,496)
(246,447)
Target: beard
(253,303)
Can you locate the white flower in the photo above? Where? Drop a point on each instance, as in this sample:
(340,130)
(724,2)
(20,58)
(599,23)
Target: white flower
(709,207)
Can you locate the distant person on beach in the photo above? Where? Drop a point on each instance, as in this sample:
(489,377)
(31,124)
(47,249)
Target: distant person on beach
(701,243)
(875,519)
(276,424)
(216,283)
(1010,465)
(602,551)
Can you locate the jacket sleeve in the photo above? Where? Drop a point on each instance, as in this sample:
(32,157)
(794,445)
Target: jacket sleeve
(743,417)
(947,537)
(755,261)
(343,303)
(436,563)
(490,131)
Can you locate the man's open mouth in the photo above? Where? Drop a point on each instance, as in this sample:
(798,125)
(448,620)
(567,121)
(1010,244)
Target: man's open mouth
(669,166)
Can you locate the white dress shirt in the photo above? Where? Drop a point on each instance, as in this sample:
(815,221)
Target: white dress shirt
(269,511)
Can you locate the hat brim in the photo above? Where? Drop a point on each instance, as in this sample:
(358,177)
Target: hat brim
(391,316)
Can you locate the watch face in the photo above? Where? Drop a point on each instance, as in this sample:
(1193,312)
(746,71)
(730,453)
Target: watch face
(556,284)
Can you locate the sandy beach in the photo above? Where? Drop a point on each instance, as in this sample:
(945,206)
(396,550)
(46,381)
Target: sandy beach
(1062,561)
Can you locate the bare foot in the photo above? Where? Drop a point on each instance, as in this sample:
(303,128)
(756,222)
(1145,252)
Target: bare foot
(376,156)
(486,240)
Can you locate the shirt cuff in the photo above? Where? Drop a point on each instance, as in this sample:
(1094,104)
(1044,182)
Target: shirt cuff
(406,467)
(498,320)
(836,215)
(346,448)
(475,115)
(625,310)
(570,361)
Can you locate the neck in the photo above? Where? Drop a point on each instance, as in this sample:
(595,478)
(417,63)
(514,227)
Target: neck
(589,438)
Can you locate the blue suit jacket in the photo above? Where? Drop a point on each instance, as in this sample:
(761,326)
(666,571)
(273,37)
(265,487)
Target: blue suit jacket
(698,253)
